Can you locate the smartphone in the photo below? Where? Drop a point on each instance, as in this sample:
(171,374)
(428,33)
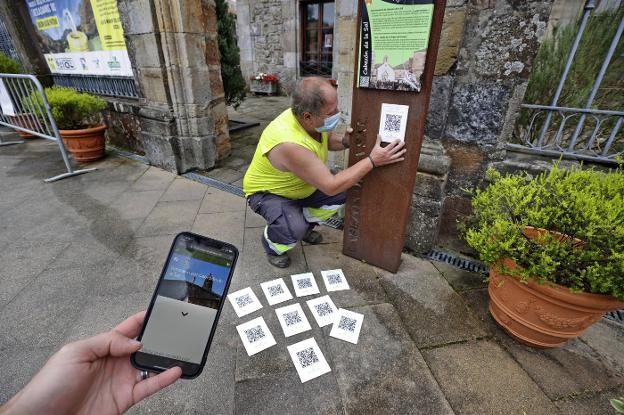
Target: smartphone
(182,317)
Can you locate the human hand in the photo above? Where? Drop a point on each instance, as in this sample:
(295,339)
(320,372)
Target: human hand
(346,139)
(91,376)
(392,153)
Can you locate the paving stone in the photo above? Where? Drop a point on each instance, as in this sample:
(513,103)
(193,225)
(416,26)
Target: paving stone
(170,218)
(220,201)
(363,279)
(590,404)
(184,189)
(19,365)
(153,179)
(38,315)
(224,226)
(86,251)
(136,205)
(569,370)
(607,338)
(127,276)
(432,312)
(21,263)
(330,236)
(459,279)
(384,372)
(127,170)
(479,377)
(225,174)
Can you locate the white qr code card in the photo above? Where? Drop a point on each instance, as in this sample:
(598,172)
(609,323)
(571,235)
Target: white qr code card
(304,284)
(393,122)
(244,302)
(323,310)
(292,320)
(308,359)
(276,291)
(347,326)
(334,280)
(255,335)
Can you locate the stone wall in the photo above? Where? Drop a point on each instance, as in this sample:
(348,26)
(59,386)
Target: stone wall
(124,125)
(267,37)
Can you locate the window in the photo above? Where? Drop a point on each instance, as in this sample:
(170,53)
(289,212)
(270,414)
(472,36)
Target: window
(317,37)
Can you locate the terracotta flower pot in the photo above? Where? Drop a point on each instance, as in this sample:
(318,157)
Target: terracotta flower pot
(24,120)
(543,315)
(87,144)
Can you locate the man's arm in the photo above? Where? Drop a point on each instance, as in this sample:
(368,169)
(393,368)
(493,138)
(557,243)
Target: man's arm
(336,143)
(309,168)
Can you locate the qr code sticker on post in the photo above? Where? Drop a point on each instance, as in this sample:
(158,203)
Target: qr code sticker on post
(304,283)
(392,123)
(292,318)
(275,290)
(307,357)
(254,334)
(333,279)
(347,324)
(364,81)
(243,300)
(323,309)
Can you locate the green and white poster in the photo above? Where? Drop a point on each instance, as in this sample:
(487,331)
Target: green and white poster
(81,36)
(394,35)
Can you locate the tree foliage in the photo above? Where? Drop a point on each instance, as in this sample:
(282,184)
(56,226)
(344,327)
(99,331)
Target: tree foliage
(233,81)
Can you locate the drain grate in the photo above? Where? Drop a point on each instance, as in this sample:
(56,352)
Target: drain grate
(226,187)
(617,316)
(336,223)
(452,259)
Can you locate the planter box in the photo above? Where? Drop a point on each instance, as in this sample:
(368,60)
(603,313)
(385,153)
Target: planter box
(263,87)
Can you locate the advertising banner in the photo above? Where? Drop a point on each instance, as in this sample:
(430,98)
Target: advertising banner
(394,35)
(81,36)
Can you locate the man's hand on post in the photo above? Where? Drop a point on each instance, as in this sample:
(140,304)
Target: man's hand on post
(392,153)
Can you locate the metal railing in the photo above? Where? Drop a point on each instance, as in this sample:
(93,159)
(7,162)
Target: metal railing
(579,133)
(24,107)
(114,86)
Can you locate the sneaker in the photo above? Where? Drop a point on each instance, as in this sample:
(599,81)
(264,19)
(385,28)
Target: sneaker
(313,237)
(280,261)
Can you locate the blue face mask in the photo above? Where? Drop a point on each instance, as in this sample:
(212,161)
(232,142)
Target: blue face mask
(330,123)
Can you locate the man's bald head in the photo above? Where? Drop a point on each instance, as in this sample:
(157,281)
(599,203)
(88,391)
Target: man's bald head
(311,94)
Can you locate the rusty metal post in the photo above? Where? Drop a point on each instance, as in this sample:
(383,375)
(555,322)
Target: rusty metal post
(378,207)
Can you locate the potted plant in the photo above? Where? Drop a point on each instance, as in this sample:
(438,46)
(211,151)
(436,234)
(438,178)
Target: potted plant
(555,245)
(25,120)
(264,83)
(77,115)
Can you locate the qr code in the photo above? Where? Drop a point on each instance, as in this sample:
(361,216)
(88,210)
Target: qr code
(292,318)
(323,309)
(347,324)
(307,357)
(304,283)
(364,81)
(275,290)
(392,124)
(334,279)
(244,300)
(254,334)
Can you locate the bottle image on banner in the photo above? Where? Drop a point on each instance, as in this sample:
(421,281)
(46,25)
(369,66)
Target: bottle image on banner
(76,40)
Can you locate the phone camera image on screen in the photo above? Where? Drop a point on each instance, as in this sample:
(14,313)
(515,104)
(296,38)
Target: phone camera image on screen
(187,301)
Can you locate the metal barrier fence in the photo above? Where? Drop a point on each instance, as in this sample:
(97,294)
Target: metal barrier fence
(578,133)
(24,107)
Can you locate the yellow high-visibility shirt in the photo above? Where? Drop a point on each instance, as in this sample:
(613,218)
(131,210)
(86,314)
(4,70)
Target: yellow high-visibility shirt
(261,176)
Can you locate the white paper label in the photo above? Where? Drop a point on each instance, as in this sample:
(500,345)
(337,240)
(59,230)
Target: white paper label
(255,335)
(276,291)
(308,359)
(334,280)
(323,310)
(304,284)
(292,319)
(347,326)
(393,122)
(244,302)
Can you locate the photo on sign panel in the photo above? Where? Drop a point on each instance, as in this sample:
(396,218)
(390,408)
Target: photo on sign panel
(347,326)
(276,291)
(304,284)
(335,280)
(244,302)
(292,319)
(323,310)
(255,335)
(308,359)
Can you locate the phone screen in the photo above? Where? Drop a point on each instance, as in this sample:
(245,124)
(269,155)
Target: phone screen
(187,301)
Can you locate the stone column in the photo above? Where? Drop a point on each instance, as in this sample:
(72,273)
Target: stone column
(173,48)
